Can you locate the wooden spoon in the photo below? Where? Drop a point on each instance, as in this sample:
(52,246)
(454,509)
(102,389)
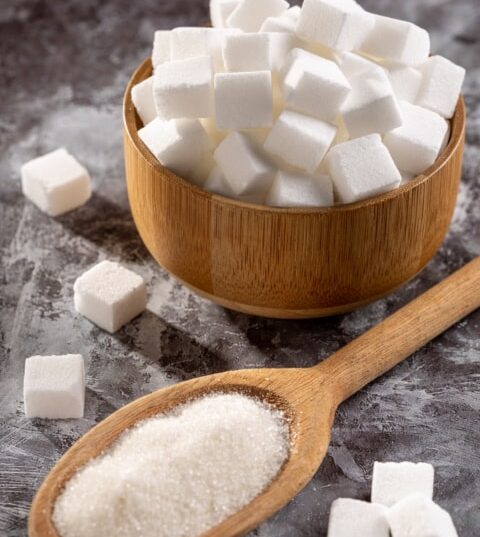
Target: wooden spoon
(309,398)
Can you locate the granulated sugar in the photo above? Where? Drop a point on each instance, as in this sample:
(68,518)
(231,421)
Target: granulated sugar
(179,474)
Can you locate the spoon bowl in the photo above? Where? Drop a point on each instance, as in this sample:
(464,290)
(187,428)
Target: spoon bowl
(308,397)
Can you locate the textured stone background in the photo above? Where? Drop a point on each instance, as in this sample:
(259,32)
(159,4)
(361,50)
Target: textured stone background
(63,68)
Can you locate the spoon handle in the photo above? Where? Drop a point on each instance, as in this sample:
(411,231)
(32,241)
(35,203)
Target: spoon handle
(397,337)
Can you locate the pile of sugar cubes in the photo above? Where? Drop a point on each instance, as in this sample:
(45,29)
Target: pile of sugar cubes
(290,106)
(110,296)
(401,506)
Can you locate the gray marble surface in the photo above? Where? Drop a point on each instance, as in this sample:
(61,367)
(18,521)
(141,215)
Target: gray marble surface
(63,68)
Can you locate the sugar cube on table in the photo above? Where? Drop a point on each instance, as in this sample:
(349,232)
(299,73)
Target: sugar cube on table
(247,171)
(398,41)
(249,15)
(178,144)
(246,52)
(393,481)
(314,85)
(54,386)
(161,48)
(371,107)
(338,24)
(110,295)
(217,184)
(296,189)
(244,100)
(349,518)
(301,141)
(56,182)
(361,168)
(142,98)
(405,81)
(220,10)
(441,85)
(184,88)
(416,144)
(418,516)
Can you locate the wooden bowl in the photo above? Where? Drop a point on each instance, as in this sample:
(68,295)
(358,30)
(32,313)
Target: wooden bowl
(289,263)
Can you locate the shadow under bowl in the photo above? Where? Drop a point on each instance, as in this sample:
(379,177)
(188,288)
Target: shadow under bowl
(289,263)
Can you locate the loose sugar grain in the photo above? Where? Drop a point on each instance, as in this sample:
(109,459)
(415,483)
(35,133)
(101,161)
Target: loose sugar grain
(179,474)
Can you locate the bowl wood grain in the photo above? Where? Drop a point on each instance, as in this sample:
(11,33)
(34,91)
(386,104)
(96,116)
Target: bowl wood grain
(289,263)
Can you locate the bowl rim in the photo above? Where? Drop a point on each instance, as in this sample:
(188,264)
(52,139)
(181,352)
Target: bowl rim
(130,120)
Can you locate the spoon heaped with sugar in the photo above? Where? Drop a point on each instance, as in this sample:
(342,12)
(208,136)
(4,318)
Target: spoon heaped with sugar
(308,397)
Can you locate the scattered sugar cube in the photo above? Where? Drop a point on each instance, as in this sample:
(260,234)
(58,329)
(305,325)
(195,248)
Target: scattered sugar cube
(352,64)
(56,182)
(405,81)
(178,144)
(281,45)
(220,10)
(371,106)
(183,89)
(314,86)
(362,168)
(398,41)
(246,52)
(417,516)
(393,481)
(338,24)
(350,518)
(282,24)
(441,87)
(416,145)
(245,169)
(110,295)
(217,184)
(296,189)
(161,48)
(142,98)
(244,100)
(54,386)
(249,15)
(300,140)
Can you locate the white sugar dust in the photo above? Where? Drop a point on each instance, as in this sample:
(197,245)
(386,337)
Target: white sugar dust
(178,474)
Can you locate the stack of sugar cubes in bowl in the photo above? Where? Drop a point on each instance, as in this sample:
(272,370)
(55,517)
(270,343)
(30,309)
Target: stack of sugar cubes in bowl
(297,107)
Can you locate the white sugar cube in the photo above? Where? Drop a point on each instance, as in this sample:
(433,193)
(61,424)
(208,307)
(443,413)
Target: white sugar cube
(398,41)
(217,184)
(416,144)
(249,15)
(246,170)
(338,24)
(417,516)
(161,48)
(350,518)
(441,87)
(281,44)
(110,295)
(295,189)
(371,106)
(54,386)
(56,182)
(184,88)
(362,168)
(282,24)
(244,100)
(314,86)
(220,10)
(246,52)
(352,64)
(178,144)
(393,481)
(142,98)
(300,140)
(405,81)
